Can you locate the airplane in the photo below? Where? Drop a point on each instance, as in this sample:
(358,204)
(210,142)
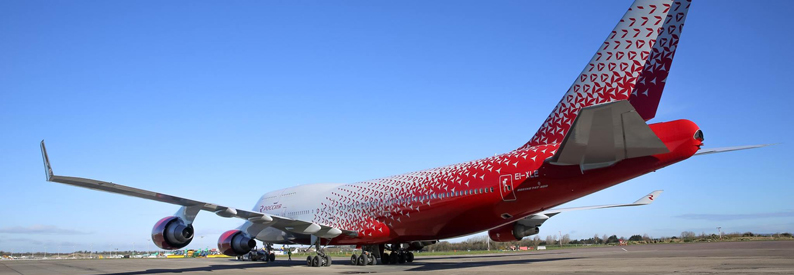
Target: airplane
(597,136)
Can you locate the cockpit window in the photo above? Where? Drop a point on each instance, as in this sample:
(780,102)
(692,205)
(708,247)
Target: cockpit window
(699,135)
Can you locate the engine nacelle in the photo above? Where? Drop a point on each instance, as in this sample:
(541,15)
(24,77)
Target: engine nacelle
(172,233)
(235,243)
(416,246)
(512,232)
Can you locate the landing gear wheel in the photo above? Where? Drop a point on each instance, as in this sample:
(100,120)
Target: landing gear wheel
(394,258)
(401,258)
(371,260)
(410,257)
(308,260)
(316,261)
(327,260)
(354,260)
(272,257)
(362,259)
(384,258)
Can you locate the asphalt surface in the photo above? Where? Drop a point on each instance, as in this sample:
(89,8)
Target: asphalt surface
(762,257)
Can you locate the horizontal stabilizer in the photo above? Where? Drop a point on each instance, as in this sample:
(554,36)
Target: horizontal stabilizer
(728,149)
(607,133)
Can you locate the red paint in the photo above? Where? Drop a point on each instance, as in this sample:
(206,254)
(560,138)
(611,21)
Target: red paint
(225,242)
(456,216)
(158,233)
(503,233)
(615,75)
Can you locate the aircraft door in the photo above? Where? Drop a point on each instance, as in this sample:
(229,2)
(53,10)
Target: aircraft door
(506,188)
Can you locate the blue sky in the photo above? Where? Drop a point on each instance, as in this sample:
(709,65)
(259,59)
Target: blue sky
(225,102)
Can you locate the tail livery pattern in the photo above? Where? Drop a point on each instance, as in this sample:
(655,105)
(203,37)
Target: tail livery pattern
(633,63)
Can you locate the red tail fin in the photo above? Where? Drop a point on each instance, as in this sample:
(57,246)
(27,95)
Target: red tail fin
(632,64)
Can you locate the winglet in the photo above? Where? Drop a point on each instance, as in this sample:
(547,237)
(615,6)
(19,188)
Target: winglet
(648,199)
(46,159)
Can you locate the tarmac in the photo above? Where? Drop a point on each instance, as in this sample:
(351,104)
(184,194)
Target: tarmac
(758,257)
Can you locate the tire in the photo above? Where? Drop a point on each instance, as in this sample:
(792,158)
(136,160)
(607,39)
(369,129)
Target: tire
(316,261)
(362,259)
(394,258)
(384,258)
(308,260)
(401,258)
(410,257)
(327,260)
(272,257)
(354,260)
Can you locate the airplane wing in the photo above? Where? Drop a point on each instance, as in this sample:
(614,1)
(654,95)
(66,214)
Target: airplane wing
(645,200)
(263,219)
(728,149)
(535,220)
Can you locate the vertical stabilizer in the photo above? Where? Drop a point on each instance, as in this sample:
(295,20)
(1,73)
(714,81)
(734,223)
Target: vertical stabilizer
(632,64)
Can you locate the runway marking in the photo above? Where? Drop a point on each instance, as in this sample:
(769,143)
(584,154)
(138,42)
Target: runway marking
(6,266)
(624,249)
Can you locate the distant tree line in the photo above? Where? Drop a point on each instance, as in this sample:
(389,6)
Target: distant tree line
(483,242)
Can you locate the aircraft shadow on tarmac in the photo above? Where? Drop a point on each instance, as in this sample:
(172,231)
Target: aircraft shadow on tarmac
(486,256)
(421,266)
(208,268)
(415,266)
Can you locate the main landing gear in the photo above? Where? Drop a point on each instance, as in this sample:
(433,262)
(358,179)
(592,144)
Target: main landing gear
(374,254)
(321,259)
(398,255)
(370,255)
(269,256)
(365,258)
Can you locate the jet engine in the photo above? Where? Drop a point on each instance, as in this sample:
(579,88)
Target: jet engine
(512,232)
(416,246)
(235,243)
(172,233)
